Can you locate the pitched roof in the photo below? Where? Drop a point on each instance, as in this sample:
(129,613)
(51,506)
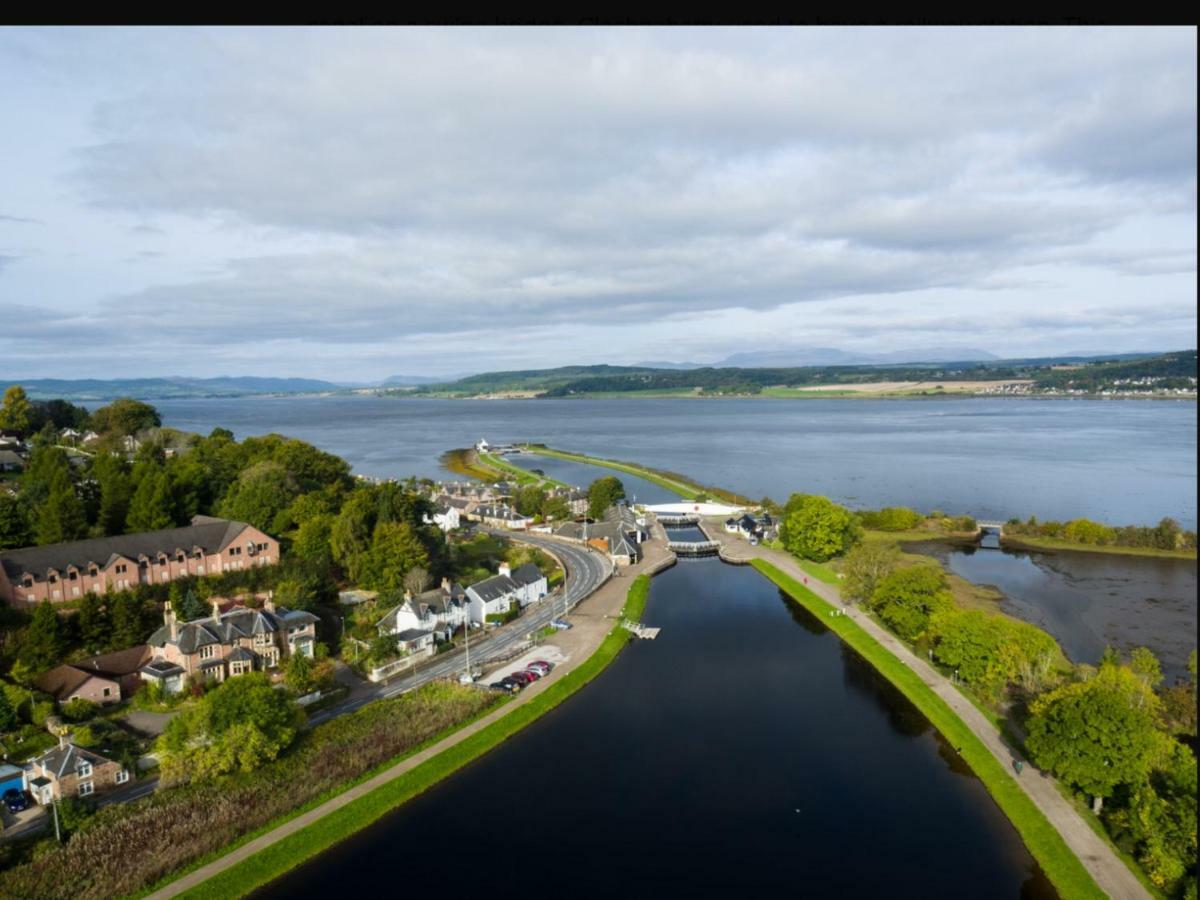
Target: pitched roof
(116,664)
(205,532)
(67,758)
(527,574)
(237,623)
(493,588)
(62,681)
(412,634)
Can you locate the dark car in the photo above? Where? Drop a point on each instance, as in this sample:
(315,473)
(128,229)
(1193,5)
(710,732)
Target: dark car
(15,800)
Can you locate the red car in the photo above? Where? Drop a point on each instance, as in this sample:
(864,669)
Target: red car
(541,662)
(534,672)
(522,677)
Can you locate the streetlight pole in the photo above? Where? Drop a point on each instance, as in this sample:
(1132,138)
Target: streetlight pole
(467,638)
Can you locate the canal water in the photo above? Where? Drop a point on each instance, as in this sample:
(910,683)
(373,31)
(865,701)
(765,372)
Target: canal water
(1089,600)
(745,752)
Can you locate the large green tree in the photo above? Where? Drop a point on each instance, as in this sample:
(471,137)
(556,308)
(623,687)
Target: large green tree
(865,566)
(153,504)
(1099,733)
(991,651)
(15,412)
(816,528)
(93,623)
(603,493)
(908,598)
(60,517)
(125,416)
(238,726)
(261,493)
(396,548)
(111,473)
(15,529)
(43,642)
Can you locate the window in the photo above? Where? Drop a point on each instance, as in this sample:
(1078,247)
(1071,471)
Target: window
(180,558)
(122,777)
(72,576)
(108,692)
(207,651)
(53,579)
(93,571)
(86,789)
(28,581)
(85,769)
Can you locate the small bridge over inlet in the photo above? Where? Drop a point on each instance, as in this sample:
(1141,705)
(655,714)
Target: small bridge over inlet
(990,526)
(680,519)
(694,548)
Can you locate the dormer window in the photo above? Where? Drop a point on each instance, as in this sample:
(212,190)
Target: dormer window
(28,581)
(93,571)
(181,558)
(85,769)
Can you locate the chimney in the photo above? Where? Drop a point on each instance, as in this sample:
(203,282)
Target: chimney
(505,569)
(269,603)
(216,609)
(169,618)
(407,594)
(446,585)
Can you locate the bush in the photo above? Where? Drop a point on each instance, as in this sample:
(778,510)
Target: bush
(907,599)
(42,710)
(80,710)
(891,518)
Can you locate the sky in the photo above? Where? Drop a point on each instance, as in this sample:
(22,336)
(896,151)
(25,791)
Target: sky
(351,204)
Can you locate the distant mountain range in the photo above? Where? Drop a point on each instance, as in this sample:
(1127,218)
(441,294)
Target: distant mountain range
(82,390)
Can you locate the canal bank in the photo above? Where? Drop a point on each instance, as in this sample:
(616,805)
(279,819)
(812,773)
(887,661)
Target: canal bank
(589,647)
(1046,820)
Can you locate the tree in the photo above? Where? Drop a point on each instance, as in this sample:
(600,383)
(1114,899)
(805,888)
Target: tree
(261,492)
(153,505)
(865,566)
(555,508)
(1097,734)
(528,500)
(43,643)
(238,726)
(192,607)
(15,413)
(603,493)
(8,715)
(125,416)
(15,530)
(93,623)
(60,516)
(990,651)
(1145,666)
(396,548)
(311,541)
(417,580)
(908,598)
(816,528)
(111,473)
(128,620)
(298,674)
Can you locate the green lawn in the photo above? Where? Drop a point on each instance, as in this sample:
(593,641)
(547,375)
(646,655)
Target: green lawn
(1047,543)
(1061,866)
(270,863)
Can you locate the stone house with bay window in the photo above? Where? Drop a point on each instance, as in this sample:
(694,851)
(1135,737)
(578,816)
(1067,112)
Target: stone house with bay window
(227,644)
(71,771)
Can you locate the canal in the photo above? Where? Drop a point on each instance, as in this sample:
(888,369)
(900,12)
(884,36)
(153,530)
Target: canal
(746,751)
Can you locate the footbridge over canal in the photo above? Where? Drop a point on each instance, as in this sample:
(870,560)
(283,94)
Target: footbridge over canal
(694,548)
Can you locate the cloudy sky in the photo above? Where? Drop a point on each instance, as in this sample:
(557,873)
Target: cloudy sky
(351,204)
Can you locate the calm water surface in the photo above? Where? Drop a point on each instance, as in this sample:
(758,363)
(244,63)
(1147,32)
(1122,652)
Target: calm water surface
(1090,600)
(745,752)
(1119,461)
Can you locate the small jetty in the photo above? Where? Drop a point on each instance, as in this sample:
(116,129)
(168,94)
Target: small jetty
(645,632)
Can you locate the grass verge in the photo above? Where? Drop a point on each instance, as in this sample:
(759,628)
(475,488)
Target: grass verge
(1034,542)
(1057,860)
(272,862)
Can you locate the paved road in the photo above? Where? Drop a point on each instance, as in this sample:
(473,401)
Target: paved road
(585,570)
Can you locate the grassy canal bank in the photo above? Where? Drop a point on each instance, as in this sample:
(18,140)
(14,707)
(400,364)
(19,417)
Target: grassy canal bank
(256,870)
(1046,845)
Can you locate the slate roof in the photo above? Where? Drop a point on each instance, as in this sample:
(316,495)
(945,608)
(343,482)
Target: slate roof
(527,574)
(66,759)
(412,634)
(8,457)
(241,654)
(209,534)
(160,668)
(236,623)
(493,588)
(62,681)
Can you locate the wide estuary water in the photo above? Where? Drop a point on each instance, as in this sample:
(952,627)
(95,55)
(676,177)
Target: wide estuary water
(1118,461)
(746,752)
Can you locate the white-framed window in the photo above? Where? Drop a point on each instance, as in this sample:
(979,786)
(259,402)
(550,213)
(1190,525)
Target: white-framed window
(207,651)
(86,788)
(85,769)
(122,776)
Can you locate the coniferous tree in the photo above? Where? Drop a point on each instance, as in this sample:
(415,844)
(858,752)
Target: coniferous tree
(60,516)
(116,492)
(42,644)
(93,622)
(152,506)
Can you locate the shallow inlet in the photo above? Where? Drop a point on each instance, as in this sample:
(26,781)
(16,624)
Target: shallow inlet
(744,751)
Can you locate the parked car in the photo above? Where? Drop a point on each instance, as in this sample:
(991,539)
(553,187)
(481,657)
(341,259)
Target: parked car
(540,668)
(541,662)
(508,684)
(561,625)
(534,672)
(15,800)
(523,678)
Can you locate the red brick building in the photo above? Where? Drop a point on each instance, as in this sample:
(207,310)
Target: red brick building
(62,572)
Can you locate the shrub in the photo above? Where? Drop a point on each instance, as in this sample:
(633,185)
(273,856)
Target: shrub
(80,710)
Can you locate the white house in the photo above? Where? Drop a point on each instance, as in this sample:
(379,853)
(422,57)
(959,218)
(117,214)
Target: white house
(408,616)
(530,580)
(493,596)
(446,517)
